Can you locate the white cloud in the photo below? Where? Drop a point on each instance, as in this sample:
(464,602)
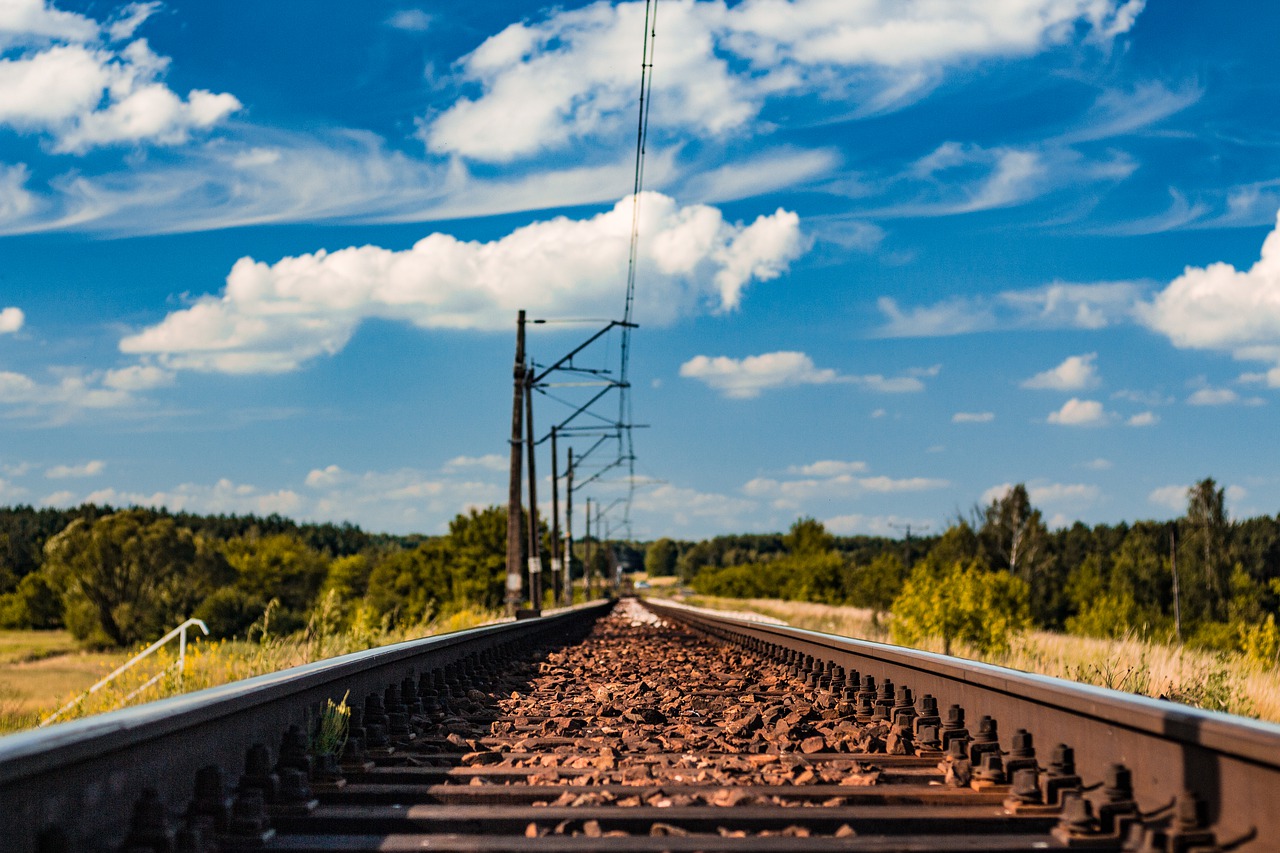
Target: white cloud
(1076,373)
(1143,419)
(222,497)
(92,468)
(411,20)
(746,377)
(1060,305)
(1076,412)
(1224,309)
(550,83)
(272,318)
(1049,495)
(1213,397)
(28,21)
(1058,494)
(1098,464)
(72,392)
(487,462)
(828,468)
(973,417)
(11,320)
(86,96)
(126,21)
(1169,497)
(855,524)
(16,201)
(137,377)
(790,494)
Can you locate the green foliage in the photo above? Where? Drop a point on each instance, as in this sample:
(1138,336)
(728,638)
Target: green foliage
(228,612)
(808,536)
(129,576)
(279,566)
(34,604)
(961,602)
(660,558)
(875,586)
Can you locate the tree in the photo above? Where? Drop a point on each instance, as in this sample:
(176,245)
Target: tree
(279,566)
(808,536)
(875,586)
(1204,565)
(660,558)
(960,602)
(1014,538)
(130,576)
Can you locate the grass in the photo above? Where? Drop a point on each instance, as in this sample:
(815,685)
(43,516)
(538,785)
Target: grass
(1216,681)
(32,689)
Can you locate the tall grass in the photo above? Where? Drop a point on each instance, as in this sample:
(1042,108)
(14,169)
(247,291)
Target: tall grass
(211,663)
(1215,681)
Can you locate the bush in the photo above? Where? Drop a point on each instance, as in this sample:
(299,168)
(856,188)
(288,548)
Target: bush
(961,602)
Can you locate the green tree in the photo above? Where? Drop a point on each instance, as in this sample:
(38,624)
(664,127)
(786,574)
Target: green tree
(808,536)
(1203,554)
(660,558)
(960,602)
(279,566)
(875,586)
(130,576)
(1014,538)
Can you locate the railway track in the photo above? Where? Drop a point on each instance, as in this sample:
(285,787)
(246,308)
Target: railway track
(650,728)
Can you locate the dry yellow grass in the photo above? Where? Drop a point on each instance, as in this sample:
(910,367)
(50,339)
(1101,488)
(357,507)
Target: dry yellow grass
(1216,681)
(31,690)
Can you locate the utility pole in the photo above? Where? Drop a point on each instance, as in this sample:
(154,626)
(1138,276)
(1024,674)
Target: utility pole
(535,547)
(586,566)
(568,531)
(556,580)
(1173,563)
(515,567)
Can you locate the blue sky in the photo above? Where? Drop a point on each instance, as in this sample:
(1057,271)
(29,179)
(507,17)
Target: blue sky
(262,257)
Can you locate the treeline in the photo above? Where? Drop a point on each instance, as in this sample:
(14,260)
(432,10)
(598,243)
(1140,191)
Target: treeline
(1202,578)
(118,577)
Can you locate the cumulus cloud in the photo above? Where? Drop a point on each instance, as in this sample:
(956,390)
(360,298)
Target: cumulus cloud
(546,84)
(1076,373)
(28,21)
(137,377)
(1143,419)
(745,378)
(973,417)
(84,93)
(1077,412)
(71,392)
(1060,305)
(487,462)
(1169,497)
(1049,495)
(1099,464)
(1213,397)
(1224,309)
(828,468)
(11,320)
(222,497)
(274,317)
(92,468)
(854,524)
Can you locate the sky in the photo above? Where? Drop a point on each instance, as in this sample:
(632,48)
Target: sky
(893,256)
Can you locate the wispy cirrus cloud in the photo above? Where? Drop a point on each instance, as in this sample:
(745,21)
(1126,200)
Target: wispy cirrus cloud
(1060,305)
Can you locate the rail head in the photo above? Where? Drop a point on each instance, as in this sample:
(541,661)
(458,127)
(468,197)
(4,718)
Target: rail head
(83,776)
(1231,762)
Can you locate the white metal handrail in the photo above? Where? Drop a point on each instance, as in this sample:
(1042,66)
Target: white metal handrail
(180,632)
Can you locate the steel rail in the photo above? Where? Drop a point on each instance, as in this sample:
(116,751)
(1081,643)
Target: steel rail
(1231,764)
(74,786)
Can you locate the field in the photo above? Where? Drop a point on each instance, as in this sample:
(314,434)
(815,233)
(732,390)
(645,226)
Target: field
(1217,682)
(42,670)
